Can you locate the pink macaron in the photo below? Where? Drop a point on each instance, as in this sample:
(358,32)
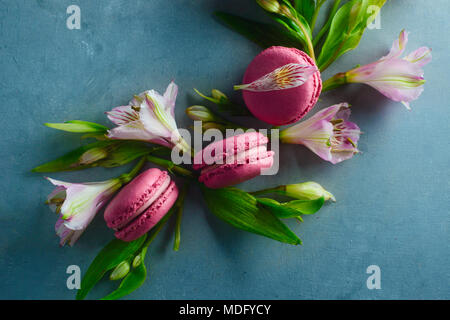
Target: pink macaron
(140,205)
(280,107)
(233,160)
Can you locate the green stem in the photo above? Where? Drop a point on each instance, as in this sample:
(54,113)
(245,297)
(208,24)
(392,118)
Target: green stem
(278,189)
(308,41)
(285,11)
(316,13)
(327,25)
(169,165)
(179,209)
(162,222)
(127,177)
(335,81)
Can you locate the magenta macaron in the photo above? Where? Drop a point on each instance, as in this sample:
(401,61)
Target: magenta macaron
(281,107)
(140,205)
(233,160)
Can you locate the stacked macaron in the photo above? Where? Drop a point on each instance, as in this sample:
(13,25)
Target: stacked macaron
(281,107)
(141,204)
(233,160)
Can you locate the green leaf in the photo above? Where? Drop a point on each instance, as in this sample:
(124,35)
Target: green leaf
(293,24)
(78,126)
(292,208)
(265,35)
(108,258)
(305,206)
(131,282)
(346,30)
(277,209)
(241,210)
(109,153)
(305,8)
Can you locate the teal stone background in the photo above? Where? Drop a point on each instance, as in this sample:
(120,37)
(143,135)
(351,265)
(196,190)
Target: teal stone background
(393,202)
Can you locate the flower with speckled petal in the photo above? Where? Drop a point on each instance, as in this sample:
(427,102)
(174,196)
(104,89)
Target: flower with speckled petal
(328,133)
(149,117)
(77,204)
(399,79)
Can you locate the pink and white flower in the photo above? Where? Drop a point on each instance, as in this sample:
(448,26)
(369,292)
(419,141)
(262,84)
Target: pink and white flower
(285,77)
(328,133)
(77,204)
(149,117)
(399,79)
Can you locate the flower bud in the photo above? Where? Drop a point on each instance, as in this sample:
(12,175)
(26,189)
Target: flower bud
(307,191)
(120,271)
(200,113)
(269,5)
(93,155)
(219,95)
(137,261)
(213,125)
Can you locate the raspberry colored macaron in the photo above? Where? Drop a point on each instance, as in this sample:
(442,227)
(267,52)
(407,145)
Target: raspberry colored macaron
(140,205)
(233,160)
(280,107)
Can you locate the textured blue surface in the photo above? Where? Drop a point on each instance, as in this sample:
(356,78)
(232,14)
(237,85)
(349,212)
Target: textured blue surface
(393,199)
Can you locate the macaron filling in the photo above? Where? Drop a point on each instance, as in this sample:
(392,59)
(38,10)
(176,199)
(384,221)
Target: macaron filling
(148,198)
(211,170)
(242,157)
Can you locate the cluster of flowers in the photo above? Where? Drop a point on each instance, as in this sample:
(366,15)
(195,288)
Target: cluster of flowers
(149,117)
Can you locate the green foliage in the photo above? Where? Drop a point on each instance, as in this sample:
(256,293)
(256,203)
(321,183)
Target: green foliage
(263,34)
(292,209)
(305,8)
(346,30)
(78,126)
(108,153)
(108,258)
(242,211)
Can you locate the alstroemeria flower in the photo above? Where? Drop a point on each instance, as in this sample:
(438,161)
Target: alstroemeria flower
(149,117)
(399,79)
(328,133)
(77,204)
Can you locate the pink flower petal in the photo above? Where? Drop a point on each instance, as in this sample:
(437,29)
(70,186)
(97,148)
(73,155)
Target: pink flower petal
(288,76)
(420,57)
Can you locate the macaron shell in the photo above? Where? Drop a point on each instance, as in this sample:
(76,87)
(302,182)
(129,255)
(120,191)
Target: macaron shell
(230,174)
(133,196)
(228,147)
(151,216)
(280,107)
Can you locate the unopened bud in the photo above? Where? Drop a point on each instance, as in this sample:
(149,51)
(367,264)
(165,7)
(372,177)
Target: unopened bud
(137,261)
(93,155)
(269,5)
(307,191)
(200,113)
(219,95)
(120,271)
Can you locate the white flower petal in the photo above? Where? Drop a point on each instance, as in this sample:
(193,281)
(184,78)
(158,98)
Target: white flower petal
(170,96)
(285,77)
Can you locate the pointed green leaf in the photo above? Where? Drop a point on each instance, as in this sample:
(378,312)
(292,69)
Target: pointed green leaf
(346,30)
(108,258)
(78,126)
(305,206)
(277,209)
(109,153)
(305,8)
(292,209)
(241,210)
(265,35)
